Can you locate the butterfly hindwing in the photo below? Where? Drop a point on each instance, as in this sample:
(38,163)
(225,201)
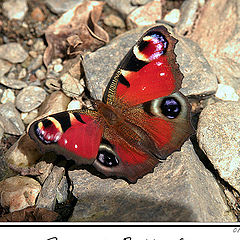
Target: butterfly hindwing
(73,134)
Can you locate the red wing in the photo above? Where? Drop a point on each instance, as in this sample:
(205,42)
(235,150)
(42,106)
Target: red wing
(74,134)
(148,71)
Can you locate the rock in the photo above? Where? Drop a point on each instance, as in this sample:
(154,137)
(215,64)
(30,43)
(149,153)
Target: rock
(30,98)
(226,93)
(189,12)
(40,74)
(23,153)
(35,63)
(37,14)
(1,136)
(139,2)
(71,86)
(39,45)
(62,190)
(54,103)
(11,120)
(18,192)
(13,52)
(4,67)
(22,74)
(74,104)
(114,21)
(8,96)
(199,78)
(29,117)
(12,83)
(177,190)
(15,9)
(173,16)
(45,169)
(218,35)
(218,135)
(122,6)
(145,15)
(48,194)
(58,68)
(61,6)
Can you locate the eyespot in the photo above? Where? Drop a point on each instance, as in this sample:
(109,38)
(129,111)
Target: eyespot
(170,107)
(106,155)
(108,159)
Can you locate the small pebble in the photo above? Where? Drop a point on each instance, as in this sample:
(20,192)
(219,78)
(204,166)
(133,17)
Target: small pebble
(13,52)
(40,74)
(15,9)
(173,16)
(114,21)
(39,45)
(29,117)
(38,15)
(74,104)
(33,54)
(5,66)
(8,96)
(23,73)
(30,98)
(35,63)
(226,93)
(58,68)
(12,83)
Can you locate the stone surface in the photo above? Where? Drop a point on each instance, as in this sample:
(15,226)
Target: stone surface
(177,190)
(45,169)
(18,192)
(218,135)
(4,67)
(35,63)
(23,153)
(189,13)
(71,86)
(62,190)
(145,15)
(12,83)
(54,103)
(29,117)
(11,120)
(122,6)
(13,52)
(8,96)
(198,76)
(37,14)
(15,9)
(226,93)
(48,194)
(61,6)
(114,21)
(173,16)
(30,98)
(74,104)
(218,35)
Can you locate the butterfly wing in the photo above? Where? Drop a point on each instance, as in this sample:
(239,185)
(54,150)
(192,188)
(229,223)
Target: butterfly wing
(73,134)
(148,71)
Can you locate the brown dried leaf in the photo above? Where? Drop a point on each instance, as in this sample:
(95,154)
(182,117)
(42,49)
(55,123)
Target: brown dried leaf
(80,22)
(31,214)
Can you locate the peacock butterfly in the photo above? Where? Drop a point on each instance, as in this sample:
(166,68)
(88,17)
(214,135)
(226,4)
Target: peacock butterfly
(141,120)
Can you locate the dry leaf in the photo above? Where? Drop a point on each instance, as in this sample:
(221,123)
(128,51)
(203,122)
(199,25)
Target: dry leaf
(31,214)
(75,31)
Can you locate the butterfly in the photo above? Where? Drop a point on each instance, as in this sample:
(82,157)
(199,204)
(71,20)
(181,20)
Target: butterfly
(142,118)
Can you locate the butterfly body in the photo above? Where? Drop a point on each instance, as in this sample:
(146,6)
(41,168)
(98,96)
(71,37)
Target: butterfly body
(142,119)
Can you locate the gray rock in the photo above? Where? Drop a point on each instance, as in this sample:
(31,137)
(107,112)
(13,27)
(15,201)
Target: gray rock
(35,63)
(61,6)
(62,190)
(48,194)
(13,52)
(4,67)
(12,83)
(11,120)
(122,6)
(139,2)
(30,98)
(177,190)
(188,16)
(15,9)
(218,135)
(101,64)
